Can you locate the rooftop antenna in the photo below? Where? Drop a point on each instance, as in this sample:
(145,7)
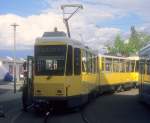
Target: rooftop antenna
(68,15)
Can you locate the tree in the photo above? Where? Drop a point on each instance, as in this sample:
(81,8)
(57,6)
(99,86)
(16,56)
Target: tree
(134,41)
(137,40)
(118,47)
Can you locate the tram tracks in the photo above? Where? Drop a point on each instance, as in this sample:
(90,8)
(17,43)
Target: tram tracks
(84,117)
(50,114)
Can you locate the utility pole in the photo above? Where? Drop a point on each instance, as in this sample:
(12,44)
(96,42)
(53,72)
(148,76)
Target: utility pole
(14,59)
(68,15)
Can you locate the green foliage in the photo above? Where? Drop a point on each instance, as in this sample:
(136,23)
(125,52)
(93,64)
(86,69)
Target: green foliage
(136,41)
(118,48)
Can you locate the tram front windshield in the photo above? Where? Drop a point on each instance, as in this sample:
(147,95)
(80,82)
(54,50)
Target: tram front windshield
(50,60)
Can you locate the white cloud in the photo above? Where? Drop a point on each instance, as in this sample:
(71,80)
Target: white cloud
(33,26)
(29,28)
(103,36)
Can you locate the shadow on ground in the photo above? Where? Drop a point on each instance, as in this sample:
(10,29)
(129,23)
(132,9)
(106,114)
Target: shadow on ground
(121,107)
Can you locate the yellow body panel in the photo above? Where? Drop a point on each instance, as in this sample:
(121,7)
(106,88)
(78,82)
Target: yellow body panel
(115,78)
(74,85)
(146,78)
(135,76)
(49,86)
(89,82)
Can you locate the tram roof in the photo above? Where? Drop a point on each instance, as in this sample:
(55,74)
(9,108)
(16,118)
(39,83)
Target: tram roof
(133,57)
(63,39)
(117,57)
(145,51)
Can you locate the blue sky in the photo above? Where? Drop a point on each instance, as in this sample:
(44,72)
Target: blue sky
(19,53)
(99,22)
(32,7)
(22,7)
(124,22)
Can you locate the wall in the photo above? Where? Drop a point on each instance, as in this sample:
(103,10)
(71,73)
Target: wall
(5,67)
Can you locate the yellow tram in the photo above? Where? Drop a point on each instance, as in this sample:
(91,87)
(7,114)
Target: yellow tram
(64,71)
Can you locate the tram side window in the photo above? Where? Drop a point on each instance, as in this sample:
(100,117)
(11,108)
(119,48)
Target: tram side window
(84,68)
(132,66)
(122,65)
(148,67)
(103,64)
(108,64)
(128,66)
(97,68)
(77,61)
(137,66)
(94,64)
(116,65)
(69,61)
(91,63)
(88,62)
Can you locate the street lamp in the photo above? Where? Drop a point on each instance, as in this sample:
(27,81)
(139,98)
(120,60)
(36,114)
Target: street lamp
(69,14)
(14,59)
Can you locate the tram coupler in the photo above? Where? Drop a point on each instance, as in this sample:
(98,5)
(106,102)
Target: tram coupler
(42,107)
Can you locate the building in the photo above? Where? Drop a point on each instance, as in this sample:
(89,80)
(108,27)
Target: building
(6,66)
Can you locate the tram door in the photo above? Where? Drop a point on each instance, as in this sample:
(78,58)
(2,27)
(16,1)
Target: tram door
(28,82)
(30,73)
(141,77)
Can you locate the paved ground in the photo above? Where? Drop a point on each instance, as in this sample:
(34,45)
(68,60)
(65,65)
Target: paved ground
(4,87)
(117,108)
(8,86)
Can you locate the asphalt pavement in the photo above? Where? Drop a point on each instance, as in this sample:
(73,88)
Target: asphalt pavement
(122,107)
(5,87)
